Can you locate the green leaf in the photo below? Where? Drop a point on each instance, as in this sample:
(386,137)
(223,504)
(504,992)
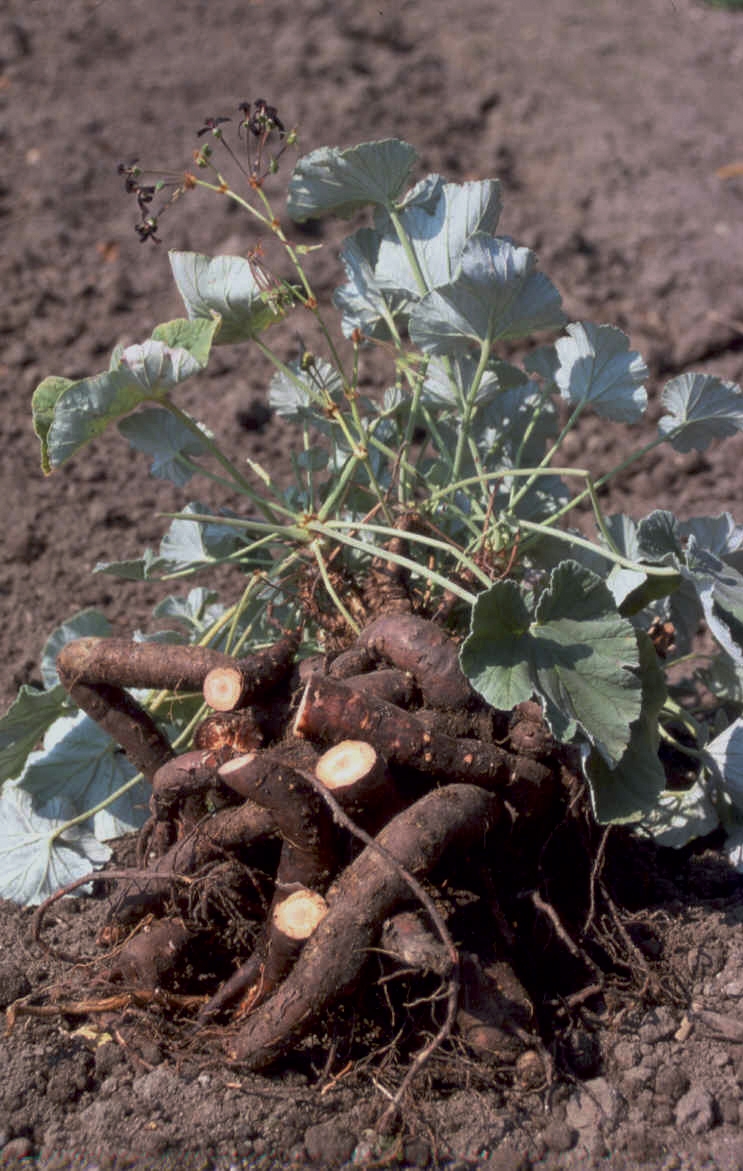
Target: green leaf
(497,295)
(448,383)
(629,791)
(680,817)
(598,367)
(81,763)
(303,392)
(573,650)
(86,408)
(659,538)
(85,623)
(224,289)
(384,277)
(717,534)
(191,543)
(34,863)
(43,403)
(330,181)
(161,434)
(366,303)
(137,569)
(724,679)
(198,611)
(700,408)
(726,753)
(720,590)
(195,336)
(25,722)
(496,656)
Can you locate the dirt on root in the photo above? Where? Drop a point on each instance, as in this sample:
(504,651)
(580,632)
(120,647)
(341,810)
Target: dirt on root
(608,125)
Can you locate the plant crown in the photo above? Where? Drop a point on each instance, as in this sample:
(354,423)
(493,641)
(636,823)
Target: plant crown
(461,451)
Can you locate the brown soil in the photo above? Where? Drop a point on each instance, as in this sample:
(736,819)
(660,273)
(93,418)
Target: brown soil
(607,124)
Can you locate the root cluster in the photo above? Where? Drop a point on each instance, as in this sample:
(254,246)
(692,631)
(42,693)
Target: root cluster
(343,823)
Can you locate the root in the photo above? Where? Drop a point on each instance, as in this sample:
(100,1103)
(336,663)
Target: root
(367,892)
(329,710)
(285,869)
(425,650)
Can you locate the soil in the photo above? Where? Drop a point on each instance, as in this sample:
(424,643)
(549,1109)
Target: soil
(607,125)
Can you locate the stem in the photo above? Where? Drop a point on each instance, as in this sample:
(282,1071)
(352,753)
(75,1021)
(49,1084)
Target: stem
(244,485)
(414,566)
(445,546)
(621,467)
(609,554)
(514,500)
(464,438)
(332,590)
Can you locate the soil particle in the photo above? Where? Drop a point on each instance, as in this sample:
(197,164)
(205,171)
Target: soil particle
(331,1143)
(696,1111)
(13,984)
(671,1082)
(558,1136)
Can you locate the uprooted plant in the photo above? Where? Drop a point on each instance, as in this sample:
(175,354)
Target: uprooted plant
(433,691)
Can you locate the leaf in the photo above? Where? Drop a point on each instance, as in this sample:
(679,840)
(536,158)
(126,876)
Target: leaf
(225,288)
(717,534)
(137,569)
(726,753)
(43,403)
(720,590)
(25,722)
(85,623)
(495,656)
(330,181)
(85,409)
(161,434)
(598,368)
(701,408)
(724,679)
(386,278)
(302,393)
(81,763)
(574,651)
(449,383)
(498,294)
(628,792)
(190,543)
(679,818)
(198,611)
(195,336)
(366,302)
(33,862)
(659,538)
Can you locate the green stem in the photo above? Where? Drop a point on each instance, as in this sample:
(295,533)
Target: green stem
(332,590)
(609,554)
(238,480)
(464,439)
(414,566)
(544,463)
(417,538)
